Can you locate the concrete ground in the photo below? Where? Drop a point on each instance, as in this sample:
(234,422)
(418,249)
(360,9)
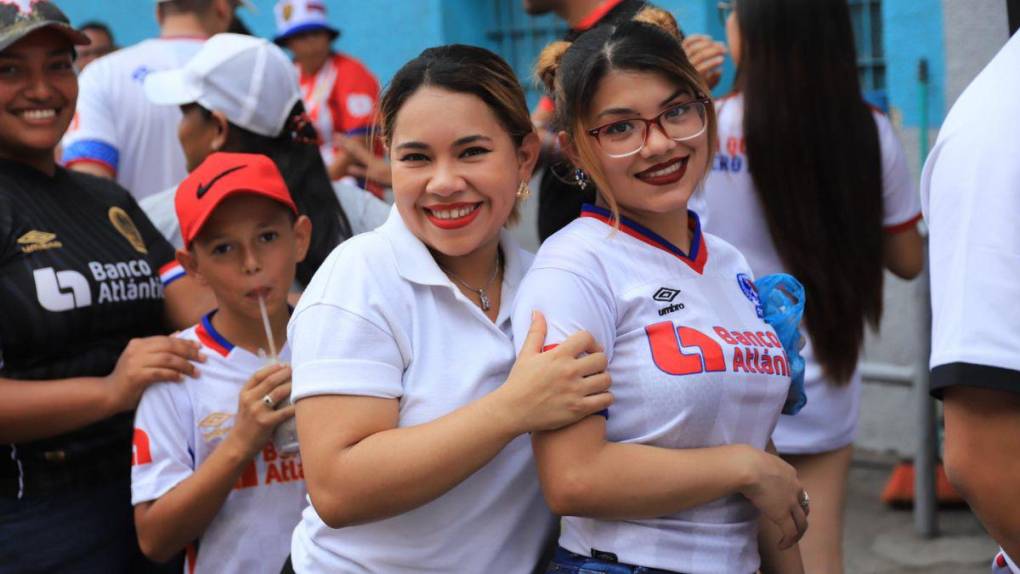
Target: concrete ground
(880,540)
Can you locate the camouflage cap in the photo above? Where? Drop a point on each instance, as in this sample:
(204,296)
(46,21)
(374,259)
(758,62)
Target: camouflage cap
(18,18)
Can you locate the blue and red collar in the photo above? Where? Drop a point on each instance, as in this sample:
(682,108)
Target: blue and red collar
(212,338)
(696,259)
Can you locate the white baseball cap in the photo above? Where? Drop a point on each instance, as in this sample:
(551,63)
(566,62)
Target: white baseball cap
(296,16)
(248,79)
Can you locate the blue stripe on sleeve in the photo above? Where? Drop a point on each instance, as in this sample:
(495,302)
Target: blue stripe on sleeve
(93,150)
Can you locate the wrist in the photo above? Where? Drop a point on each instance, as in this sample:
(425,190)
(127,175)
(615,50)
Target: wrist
(498,407)
(236,449)
(109,400)
(745,467)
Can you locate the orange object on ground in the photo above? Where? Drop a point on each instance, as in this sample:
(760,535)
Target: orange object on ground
(899,490)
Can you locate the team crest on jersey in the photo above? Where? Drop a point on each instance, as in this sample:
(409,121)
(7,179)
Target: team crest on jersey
(751,292)
(38,241)
(122,222)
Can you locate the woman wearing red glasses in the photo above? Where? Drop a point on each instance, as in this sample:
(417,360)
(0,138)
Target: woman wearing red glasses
(675,475)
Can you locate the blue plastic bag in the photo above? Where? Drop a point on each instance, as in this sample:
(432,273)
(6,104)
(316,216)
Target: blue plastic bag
(782,301)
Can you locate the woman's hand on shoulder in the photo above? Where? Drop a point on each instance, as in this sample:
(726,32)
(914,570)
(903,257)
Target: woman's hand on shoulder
(551,388)
(146,361)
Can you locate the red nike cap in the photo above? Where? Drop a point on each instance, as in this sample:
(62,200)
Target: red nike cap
(223,175)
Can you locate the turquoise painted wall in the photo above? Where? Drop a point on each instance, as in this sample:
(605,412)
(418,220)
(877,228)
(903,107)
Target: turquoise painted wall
(386,33)
(912,30)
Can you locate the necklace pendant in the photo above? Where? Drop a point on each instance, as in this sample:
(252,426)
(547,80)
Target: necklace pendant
(486,304)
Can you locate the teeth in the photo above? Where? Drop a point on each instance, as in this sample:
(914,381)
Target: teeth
(453,213)
(39,114)
(666,171)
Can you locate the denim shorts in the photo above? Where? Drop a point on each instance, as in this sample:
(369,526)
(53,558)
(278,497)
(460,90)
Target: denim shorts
(566,562)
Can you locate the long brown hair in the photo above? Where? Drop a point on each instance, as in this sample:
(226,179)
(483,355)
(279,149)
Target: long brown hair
(814,157)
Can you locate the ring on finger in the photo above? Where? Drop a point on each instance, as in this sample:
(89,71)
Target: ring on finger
(804,499)
(268,400)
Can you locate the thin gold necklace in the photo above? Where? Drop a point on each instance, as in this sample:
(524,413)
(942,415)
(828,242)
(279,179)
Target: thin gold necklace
(482,295)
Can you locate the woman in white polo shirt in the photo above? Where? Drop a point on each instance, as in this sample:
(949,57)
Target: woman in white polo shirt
(811,181)
(410,406)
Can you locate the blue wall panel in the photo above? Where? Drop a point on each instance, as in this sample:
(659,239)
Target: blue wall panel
(912,31)
(386,33)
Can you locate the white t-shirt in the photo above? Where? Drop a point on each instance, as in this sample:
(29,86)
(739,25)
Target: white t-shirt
(381,319)
(693,365)
(364,211)
(829,420)
(970,189)
(177,426)
(116,126)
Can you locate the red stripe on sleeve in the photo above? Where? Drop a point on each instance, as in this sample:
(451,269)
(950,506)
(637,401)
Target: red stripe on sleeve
(905,226)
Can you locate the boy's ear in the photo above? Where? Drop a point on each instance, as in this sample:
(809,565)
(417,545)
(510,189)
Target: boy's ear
(189,262)
(302,237)
(222,131)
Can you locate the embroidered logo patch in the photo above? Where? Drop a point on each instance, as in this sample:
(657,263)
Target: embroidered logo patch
(665,294)
(751,292)
(122,222)
(38,241)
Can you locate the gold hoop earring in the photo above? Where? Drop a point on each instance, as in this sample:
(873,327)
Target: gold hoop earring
(523,191)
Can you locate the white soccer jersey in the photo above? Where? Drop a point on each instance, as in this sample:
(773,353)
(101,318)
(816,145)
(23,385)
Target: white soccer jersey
(116,126)
(177,426)
(381,319)
(693,365)
(970,188)
(829,420)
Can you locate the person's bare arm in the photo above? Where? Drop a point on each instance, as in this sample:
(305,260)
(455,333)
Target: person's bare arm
(93,168)
(904,252)
(33,410)
(774,558)
(166,525)
(360,466)
(582,474)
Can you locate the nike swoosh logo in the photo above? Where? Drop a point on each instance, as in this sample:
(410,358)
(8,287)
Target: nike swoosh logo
(202,189)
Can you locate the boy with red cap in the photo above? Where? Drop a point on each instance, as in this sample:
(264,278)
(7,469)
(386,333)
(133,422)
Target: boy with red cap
(205,473)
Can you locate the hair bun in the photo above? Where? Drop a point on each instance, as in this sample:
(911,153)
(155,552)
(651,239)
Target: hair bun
(660,19)
(549,63)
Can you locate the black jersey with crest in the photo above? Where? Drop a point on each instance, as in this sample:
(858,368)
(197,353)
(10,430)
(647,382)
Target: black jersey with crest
(79,277)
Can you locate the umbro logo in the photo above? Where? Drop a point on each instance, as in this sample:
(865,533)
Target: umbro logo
(667,295)
(38,241)
(204,188)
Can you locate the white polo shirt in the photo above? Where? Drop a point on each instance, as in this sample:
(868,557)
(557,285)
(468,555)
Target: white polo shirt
(692,362)
(970,189)
(829,419)
(117,127)
(177,427)
(381,319)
